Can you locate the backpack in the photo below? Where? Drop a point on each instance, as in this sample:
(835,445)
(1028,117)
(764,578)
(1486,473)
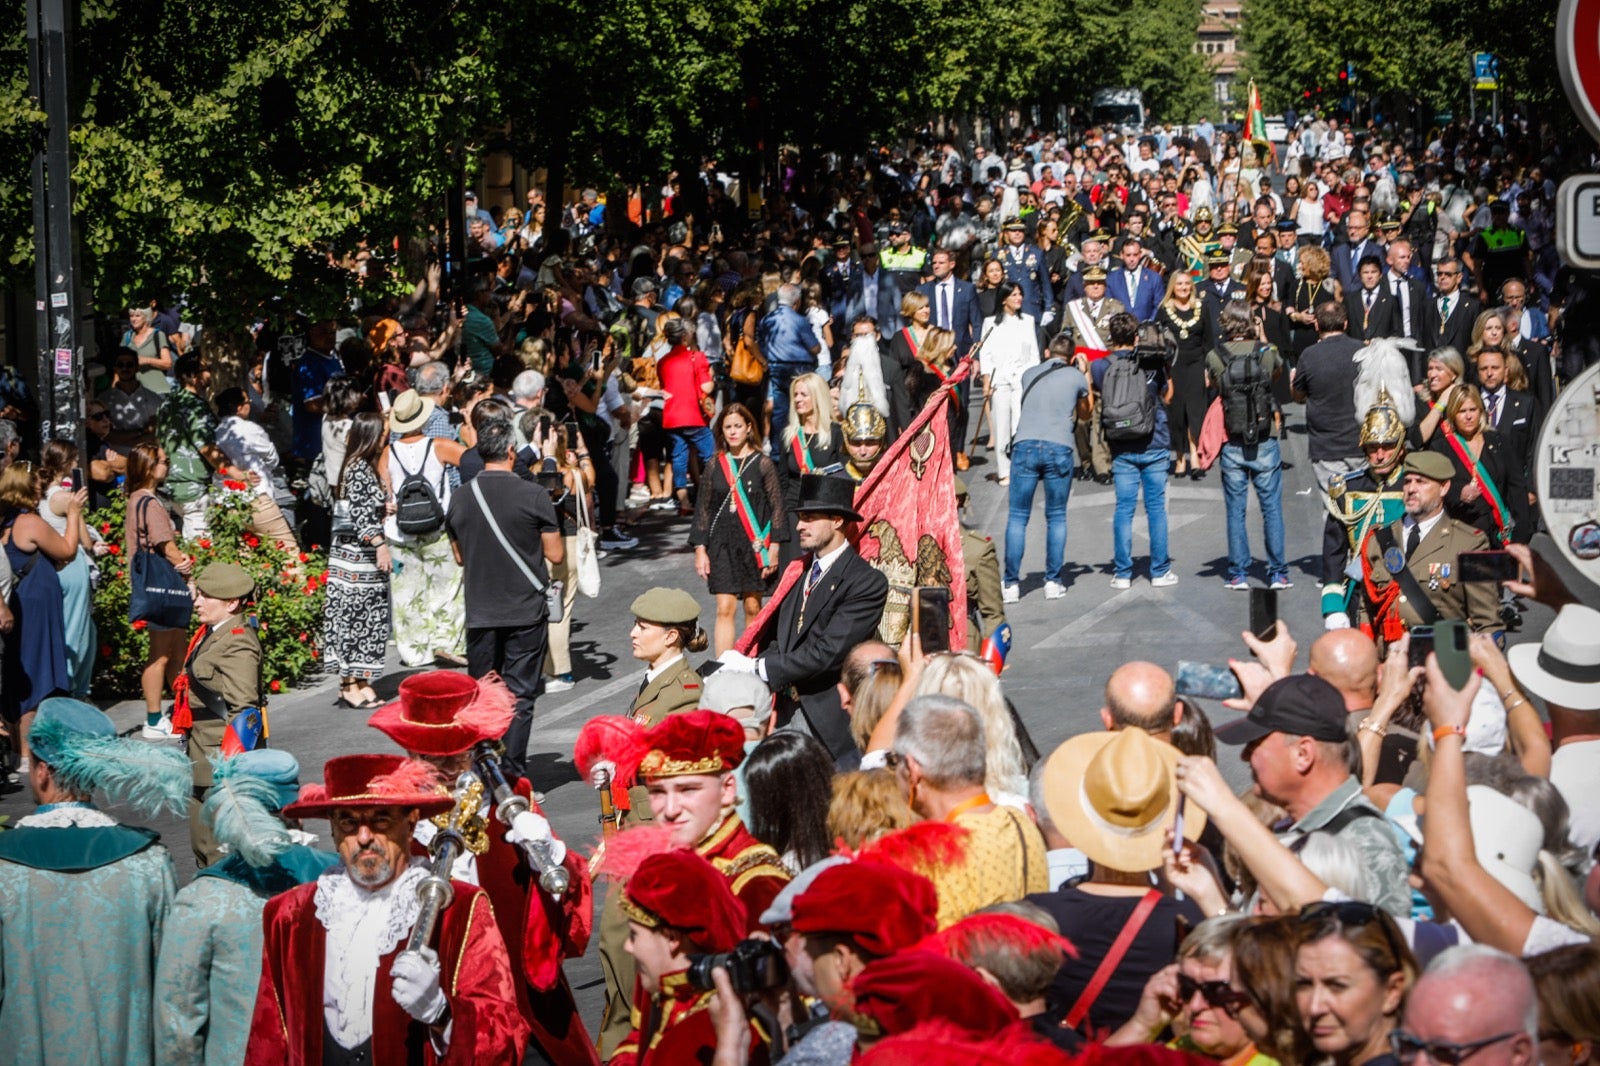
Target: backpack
(1127,404)
(417,510)
(1246,397)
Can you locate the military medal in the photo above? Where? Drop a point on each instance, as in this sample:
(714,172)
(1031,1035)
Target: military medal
(1433,577)
(1444,576)
(1394,561)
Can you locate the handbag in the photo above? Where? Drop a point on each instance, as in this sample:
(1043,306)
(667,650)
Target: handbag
(745,366)
(586,569)
(158,594)
(552,592)
(341,523)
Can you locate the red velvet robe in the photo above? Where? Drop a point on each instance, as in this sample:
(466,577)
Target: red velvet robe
(287,1027)
(676,1028)
(540,933)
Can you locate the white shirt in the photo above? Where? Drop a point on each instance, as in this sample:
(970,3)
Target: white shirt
(1402,293)
(1499,407)
(362,927)
(248,447)
(944,302)
(1426,525)
(826,562)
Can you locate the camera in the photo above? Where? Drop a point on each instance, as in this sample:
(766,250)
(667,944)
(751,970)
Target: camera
(753,966)
(1150,357)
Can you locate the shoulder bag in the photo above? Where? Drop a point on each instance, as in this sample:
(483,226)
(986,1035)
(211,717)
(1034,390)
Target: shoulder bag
(1113,959)
(552,591)
(158,594)
(586,568)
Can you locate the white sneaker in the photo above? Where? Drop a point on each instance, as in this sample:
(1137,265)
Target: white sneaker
(556,684)
(1122,582)
(1010,594)
(1055,590)
(1281,584)
(1165,581)
(1238,584)
(162,730)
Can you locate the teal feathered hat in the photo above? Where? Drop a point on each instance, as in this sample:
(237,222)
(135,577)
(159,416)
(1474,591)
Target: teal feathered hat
(246,793)
(81,747)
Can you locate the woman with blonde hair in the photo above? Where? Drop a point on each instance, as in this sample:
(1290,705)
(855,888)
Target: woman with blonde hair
(866,805)
(812,441)
(1443,373)
(872,699)
(1184,317)
(1313,287)
(1488,334)
(933,366)
(968,678)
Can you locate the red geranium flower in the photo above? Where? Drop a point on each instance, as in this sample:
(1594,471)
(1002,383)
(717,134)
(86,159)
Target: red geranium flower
(204,542)
(275,687)
(140,624)
(105,651)
(304,557)
(114,549)
(237,486)
(252,540)
(105,529)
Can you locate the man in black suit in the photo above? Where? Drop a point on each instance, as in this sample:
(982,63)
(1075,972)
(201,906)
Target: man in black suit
(1411,301)
(1450,314)
(1369,307)
(837,603)
(1536,362)
(955,307)
(1348,254)
(1510,413)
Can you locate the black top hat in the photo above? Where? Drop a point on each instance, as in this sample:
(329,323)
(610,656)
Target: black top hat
(822,494)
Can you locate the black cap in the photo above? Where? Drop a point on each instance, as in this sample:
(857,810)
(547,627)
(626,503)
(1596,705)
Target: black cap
(1301,705)
(1287,224)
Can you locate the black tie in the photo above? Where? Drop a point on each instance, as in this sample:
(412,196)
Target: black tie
(1412,540)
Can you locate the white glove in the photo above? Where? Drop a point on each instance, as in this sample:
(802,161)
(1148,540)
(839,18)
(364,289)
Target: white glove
(1336,620)
(532,828)
(416,985)
(1048,317)
(601,773)
(739,664)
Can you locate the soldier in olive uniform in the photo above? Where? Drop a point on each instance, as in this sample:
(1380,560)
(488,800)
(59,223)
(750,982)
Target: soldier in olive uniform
(1425,543)
(220,681)
(1238,258)
(986,609)
(666,624)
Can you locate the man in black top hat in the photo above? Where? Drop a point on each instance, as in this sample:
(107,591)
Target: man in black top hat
(835,605)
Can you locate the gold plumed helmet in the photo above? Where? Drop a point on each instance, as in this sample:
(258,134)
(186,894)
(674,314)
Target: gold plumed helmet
(862,421)
(1382,424)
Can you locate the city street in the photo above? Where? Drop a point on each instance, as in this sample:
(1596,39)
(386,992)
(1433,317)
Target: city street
(1063,651)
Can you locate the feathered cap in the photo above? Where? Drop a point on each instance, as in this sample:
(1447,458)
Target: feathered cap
(682,890)
(442,712)
(980,935)
(612,738)
(904,906)
(372,781)
(690,742)
(246,793)
(895,994)
(938,1043)
(1382,424)
(81,747)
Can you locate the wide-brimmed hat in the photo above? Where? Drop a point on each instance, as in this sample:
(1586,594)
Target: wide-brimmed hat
(442,712)
(1506,836)
(410,412)
(825,494)
(371,781)
(1114,795)
(1564,667)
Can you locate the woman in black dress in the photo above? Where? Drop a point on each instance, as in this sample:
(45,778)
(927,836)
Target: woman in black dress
(1313,287)
(1183,317)
(1472,446)
(739,521)
(812,442)
(1272,325)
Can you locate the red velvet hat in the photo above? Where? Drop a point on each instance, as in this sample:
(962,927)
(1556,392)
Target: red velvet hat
(443,712)
(372,781)
(693,742)
(682,891)
(895,994)
(904,906)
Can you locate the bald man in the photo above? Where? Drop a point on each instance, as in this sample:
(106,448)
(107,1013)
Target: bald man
(1141,695)
(1473,997)
(1347,659)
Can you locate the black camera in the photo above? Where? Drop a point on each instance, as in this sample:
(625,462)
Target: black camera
(1150,357)
(753,966)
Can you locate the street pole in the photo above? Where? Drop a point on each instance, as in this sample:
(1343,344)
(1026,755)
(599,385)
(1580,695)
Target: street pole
(60,366)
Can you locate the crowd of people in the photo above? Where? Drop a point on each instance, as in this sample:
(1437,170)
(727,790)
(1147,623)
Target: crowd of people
(818,847)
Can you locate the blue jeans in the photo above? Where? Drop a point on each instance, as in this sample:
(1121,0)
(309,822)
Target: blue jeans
(1130,471)
(779,377)
(684,438)
(1032,462)
(1241,466)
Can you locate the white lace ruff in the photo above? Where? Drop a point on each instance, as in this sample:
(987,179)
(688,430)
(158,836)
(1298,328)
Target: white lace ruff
(362,927)
(68,818)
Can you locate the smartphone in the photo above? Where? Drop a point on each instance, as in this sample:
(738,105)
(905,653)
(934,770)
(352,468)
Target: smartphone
(77,478)
(1263,613)
(930,617)
(1450,645)
(1421,645)
(1207,681)
(1177,826)
(1488,567)
(570,432)
(546,424)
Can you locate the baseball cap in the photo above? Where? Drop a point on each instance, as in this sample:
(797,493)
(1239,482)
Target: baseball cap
(1301,705)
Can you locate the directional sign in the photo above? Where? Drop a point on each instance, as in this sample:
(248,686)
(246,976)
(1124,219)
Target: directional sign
(1578,57)
(1578,222)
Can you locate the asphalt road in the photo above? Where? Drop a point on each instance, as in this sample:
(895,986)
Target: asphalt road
(1063,650)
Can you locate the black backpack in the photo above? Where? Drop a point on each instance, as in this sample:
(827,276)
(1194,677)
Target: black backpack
(1127,403)
(417,510)
(1246,396)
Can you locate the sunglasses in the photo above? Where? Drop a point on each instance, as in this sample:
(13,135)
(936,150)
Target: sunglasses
(1353,913)
(1407,1046)
(1218,994)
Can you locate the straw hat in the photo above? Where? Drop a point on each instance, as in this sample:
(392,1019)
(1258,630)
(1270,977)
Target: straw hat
(410,412)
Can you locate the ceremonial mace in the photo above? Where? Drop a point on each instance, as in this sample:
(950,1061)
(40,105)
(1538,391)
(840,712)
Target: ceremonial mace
(553,877)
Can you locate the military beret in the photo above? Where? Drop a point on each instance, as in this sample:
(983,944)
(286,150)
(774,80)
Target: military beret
(225,581)
(670,607)
(1430,465)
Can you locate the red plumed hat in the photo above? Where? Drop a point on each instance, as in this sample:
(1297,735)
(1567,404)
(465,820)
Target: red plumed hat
(937,1043)
(922,848)
(904,907)
(372,781)
(895,994)
(442,712)
(612,738)
(693,742)
(683,891)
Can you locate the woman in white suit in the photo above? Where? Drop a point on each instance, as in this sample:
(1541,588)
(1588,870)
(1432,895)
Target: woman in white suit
(1008,347)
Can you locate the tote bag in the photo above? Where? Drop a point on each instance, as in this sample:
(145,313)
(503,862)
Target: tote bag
(587,566)
(159,595)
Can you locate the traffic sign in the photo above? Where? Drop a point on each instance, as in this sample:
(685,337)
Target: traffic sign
(1578,222)
(1485,71)
(1578,57)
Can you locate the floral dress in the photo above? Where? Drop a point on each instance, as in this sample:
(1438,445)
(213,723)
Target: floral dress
(357,608)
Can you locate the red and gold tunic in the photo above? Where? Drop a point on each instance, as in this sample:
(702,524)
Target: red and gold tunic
(675,1028)
(753,869)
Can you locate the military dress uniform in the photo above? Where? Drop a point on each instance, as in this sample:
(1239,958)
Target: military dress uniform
(1198,244)
(1094,454)
(1024,264)
(1357,505)
(675,689)
(983,586)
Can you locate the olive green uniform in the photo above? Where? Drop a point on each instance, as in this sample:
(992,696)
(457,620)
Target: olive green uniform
(983,586)
(224,679)
(1434,567)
